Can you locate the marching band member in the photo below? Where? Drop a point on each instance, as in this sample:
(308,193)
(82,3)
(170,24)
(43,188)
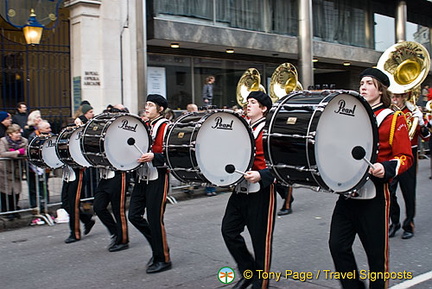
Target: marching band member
(370,218)
(151,188)
(408,179)
(252,204)
(112,189)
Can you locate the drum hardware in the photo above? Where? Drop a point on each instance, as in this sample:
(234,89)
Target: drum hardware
(297,168)
(289,135)
(181,146)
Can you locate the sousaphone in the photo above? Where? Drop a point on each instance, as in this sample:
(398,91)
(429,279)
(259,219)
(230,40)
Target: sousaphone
(284,80)
(250,81)
(407,64)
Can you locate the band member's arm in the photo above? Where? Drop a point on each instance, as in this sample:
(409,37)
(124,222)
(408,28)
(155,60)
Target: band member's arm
(263,176)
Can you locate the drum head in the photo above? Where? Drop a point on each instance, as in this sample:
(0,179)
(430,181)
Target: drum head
(125,140)
(224,139)
(346,122)
(49,154)
(75,147)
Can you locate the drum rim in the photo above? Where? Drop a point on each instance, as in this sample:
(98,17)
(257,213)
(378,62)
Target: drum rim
(71,161)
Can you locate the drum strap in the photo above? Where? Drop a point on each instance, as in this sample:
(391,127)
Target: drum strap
(257,127)
(155,127)
(382,115)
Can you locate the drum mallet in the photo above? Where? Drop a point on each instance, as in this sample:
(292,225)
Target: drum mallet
(231,169)
(359,153)
(131,142)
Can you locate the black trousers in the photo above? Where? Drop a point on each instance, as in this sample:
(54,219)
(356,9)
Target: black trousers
(369,220)
(408,183)
(286,195)
(151,196)
(71,195)
(113,191)
(256,211)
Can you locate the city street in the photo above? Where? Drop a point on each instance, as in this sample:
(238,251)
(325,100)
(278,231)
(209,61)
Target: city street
(37,257)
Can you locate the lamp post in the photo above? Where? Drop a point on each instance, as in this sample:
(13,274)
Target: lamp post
(33,29)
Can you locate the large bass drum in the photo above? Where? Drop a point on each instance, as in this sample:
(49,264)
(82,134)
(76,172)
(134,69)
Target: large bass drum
(311,138)
(199,147)
(41,152)
(115,141)
(68,147)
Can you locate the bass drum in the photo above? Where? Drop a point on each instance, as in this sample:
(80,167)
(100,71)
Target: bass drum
(68,147)
(311,138)
(200,146)
(41,152)
(115,141)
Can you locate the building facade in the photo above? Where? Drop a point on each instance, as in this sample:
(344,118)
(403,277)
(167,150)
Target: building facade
(118,51)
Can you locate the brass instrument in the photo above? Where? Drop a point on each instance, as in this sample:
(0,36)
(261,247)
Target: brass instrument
(407,64)
(283,81)
(250,81)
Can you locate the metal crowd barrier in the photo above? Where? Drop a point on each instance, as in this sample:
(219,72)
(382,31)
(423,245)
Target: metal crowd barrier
(40,192)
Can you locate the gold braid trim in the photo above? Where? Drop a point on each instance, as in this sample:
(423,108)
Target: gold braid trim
(393,125)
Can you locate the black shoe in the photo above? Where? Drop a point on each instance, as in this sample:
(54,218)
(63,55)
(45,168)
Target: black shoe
(393,229)
(284,212)
(89,226)
(243,283)
(71,239)
(407,235)
(158,267)
(118,247)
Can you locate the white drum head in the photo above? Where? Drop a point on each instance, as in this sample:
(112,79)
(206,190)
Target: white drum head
(49,154)
(343,125)
(223,139)
(75,147)
(123,130)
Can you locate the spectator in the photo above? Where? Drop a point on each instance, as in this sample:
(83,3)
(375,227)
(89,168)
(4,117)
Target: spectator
(86,114)
(12,146)
(20,117)
(5,122)
(207,93)
(192,107)
(33,120)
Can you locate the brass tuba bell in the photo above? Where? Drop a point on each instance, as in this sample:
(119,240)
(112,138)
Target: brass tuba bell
(283,81)
(407,64)
(250,81)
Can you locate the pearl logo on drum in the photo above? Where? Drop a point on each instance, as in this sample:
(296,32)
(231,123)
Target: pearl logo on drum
(125,125)
(51,144)
(344,110)
(220,125)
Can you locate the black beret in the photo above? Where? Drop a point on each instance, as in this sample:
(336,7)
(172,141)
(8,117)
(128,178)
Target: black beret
(158,99)
(262,98)
(377,74)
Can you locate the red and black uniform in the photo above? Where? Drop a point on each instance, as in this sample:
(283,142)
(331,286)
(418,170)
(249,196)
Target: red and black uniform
(256,211)
(73,187)
(407,182)
(150,192)
(370,218)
